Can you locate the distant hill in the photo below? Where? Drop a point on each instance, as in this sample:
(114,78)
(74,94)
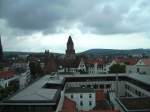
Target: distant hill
(90,53)
(15,53)
(116,52)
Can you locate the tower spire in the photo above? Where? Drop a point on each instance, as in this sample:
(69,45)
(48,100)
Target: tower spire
(70,52)
(70,40)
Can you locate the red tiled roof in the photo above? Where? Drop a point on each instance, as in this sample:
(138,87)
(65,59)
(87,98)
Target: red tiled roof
(100,95)
(146,61)
(128,61)
(98,61)
(69,106)
(6,74)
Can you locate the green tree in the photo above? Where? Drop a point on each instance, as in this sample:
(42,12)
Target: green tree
(117,68)
(35,69)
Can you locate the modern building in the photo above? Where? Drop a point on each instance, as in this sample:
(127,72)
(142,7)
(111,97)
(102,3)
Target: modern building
(48,92)
(135,104)
(24,79)
(44,95)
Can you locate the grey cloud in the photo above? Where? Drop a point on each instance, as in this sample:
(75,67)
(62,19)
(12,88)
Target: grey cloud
(33,14)
(96,16)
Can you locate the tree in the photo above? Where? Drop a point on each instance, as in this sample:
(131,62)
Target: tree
(35,69)
(117,68)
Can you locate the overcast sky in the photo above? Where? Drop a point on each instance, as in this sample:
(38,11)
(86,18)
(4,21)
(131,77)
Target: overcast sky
(36,25)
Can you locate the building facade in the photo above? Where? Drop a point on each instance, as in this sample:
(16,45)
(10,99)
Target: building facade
(141,67)
(83,97)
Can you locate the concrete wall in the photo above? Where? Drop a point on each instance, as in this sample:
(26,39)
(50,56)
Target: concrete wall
(134,91)
(113,85)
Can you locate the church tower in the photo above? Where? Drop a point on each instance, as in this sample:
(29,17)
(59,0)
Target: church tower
(1,50)
(70,52)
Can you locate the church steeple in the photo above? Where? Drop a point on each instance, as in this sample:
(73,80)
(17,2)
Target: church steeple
(70,40)
(70,45)
(1,50)
(70,52)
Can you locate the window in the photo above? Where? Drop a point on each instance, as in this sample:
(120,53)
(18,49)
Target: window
(138,70)
(72,96)
(88,86)
(139,93)
(95,86)
(136,92)
(108,86)
(90,103)
(81,96)
(81,103)
(101,86)
(127,87)
(90,95)
(126,94)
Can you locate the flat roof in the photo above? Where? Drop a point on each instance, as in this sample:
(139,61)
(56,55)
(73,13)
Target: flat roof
(135,104)
(79,90)
(93,75)
(140,77)
(36,93)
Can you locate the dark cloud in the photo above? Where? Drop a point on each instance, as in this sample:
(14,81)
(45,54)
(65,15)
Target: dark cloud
(33,14)
(96,16)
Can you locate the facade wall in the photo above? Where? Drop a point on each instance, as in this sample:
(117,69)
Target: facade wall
(104,85)
(98,69)
(141,69)
(132,90)
(84,101)
(24,79)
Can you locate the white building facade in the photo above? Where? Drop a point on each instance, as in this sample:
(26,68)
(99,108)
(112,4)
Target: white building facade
(141,67)
(83,97)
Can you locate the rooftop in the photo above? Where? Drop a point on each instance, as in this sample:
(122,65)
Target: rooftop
(35,93)
(135,104)
(69,105)
(143,78)
(146,61)
(100,95)
(79,90)
(6,74)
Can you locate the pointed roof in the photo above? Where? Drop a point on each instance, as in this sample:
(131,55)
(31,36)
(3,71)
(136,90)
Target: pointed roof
(70,40)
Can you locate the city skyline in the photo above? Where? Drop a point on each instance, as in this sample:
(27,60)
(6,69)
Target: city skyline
(38,25)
